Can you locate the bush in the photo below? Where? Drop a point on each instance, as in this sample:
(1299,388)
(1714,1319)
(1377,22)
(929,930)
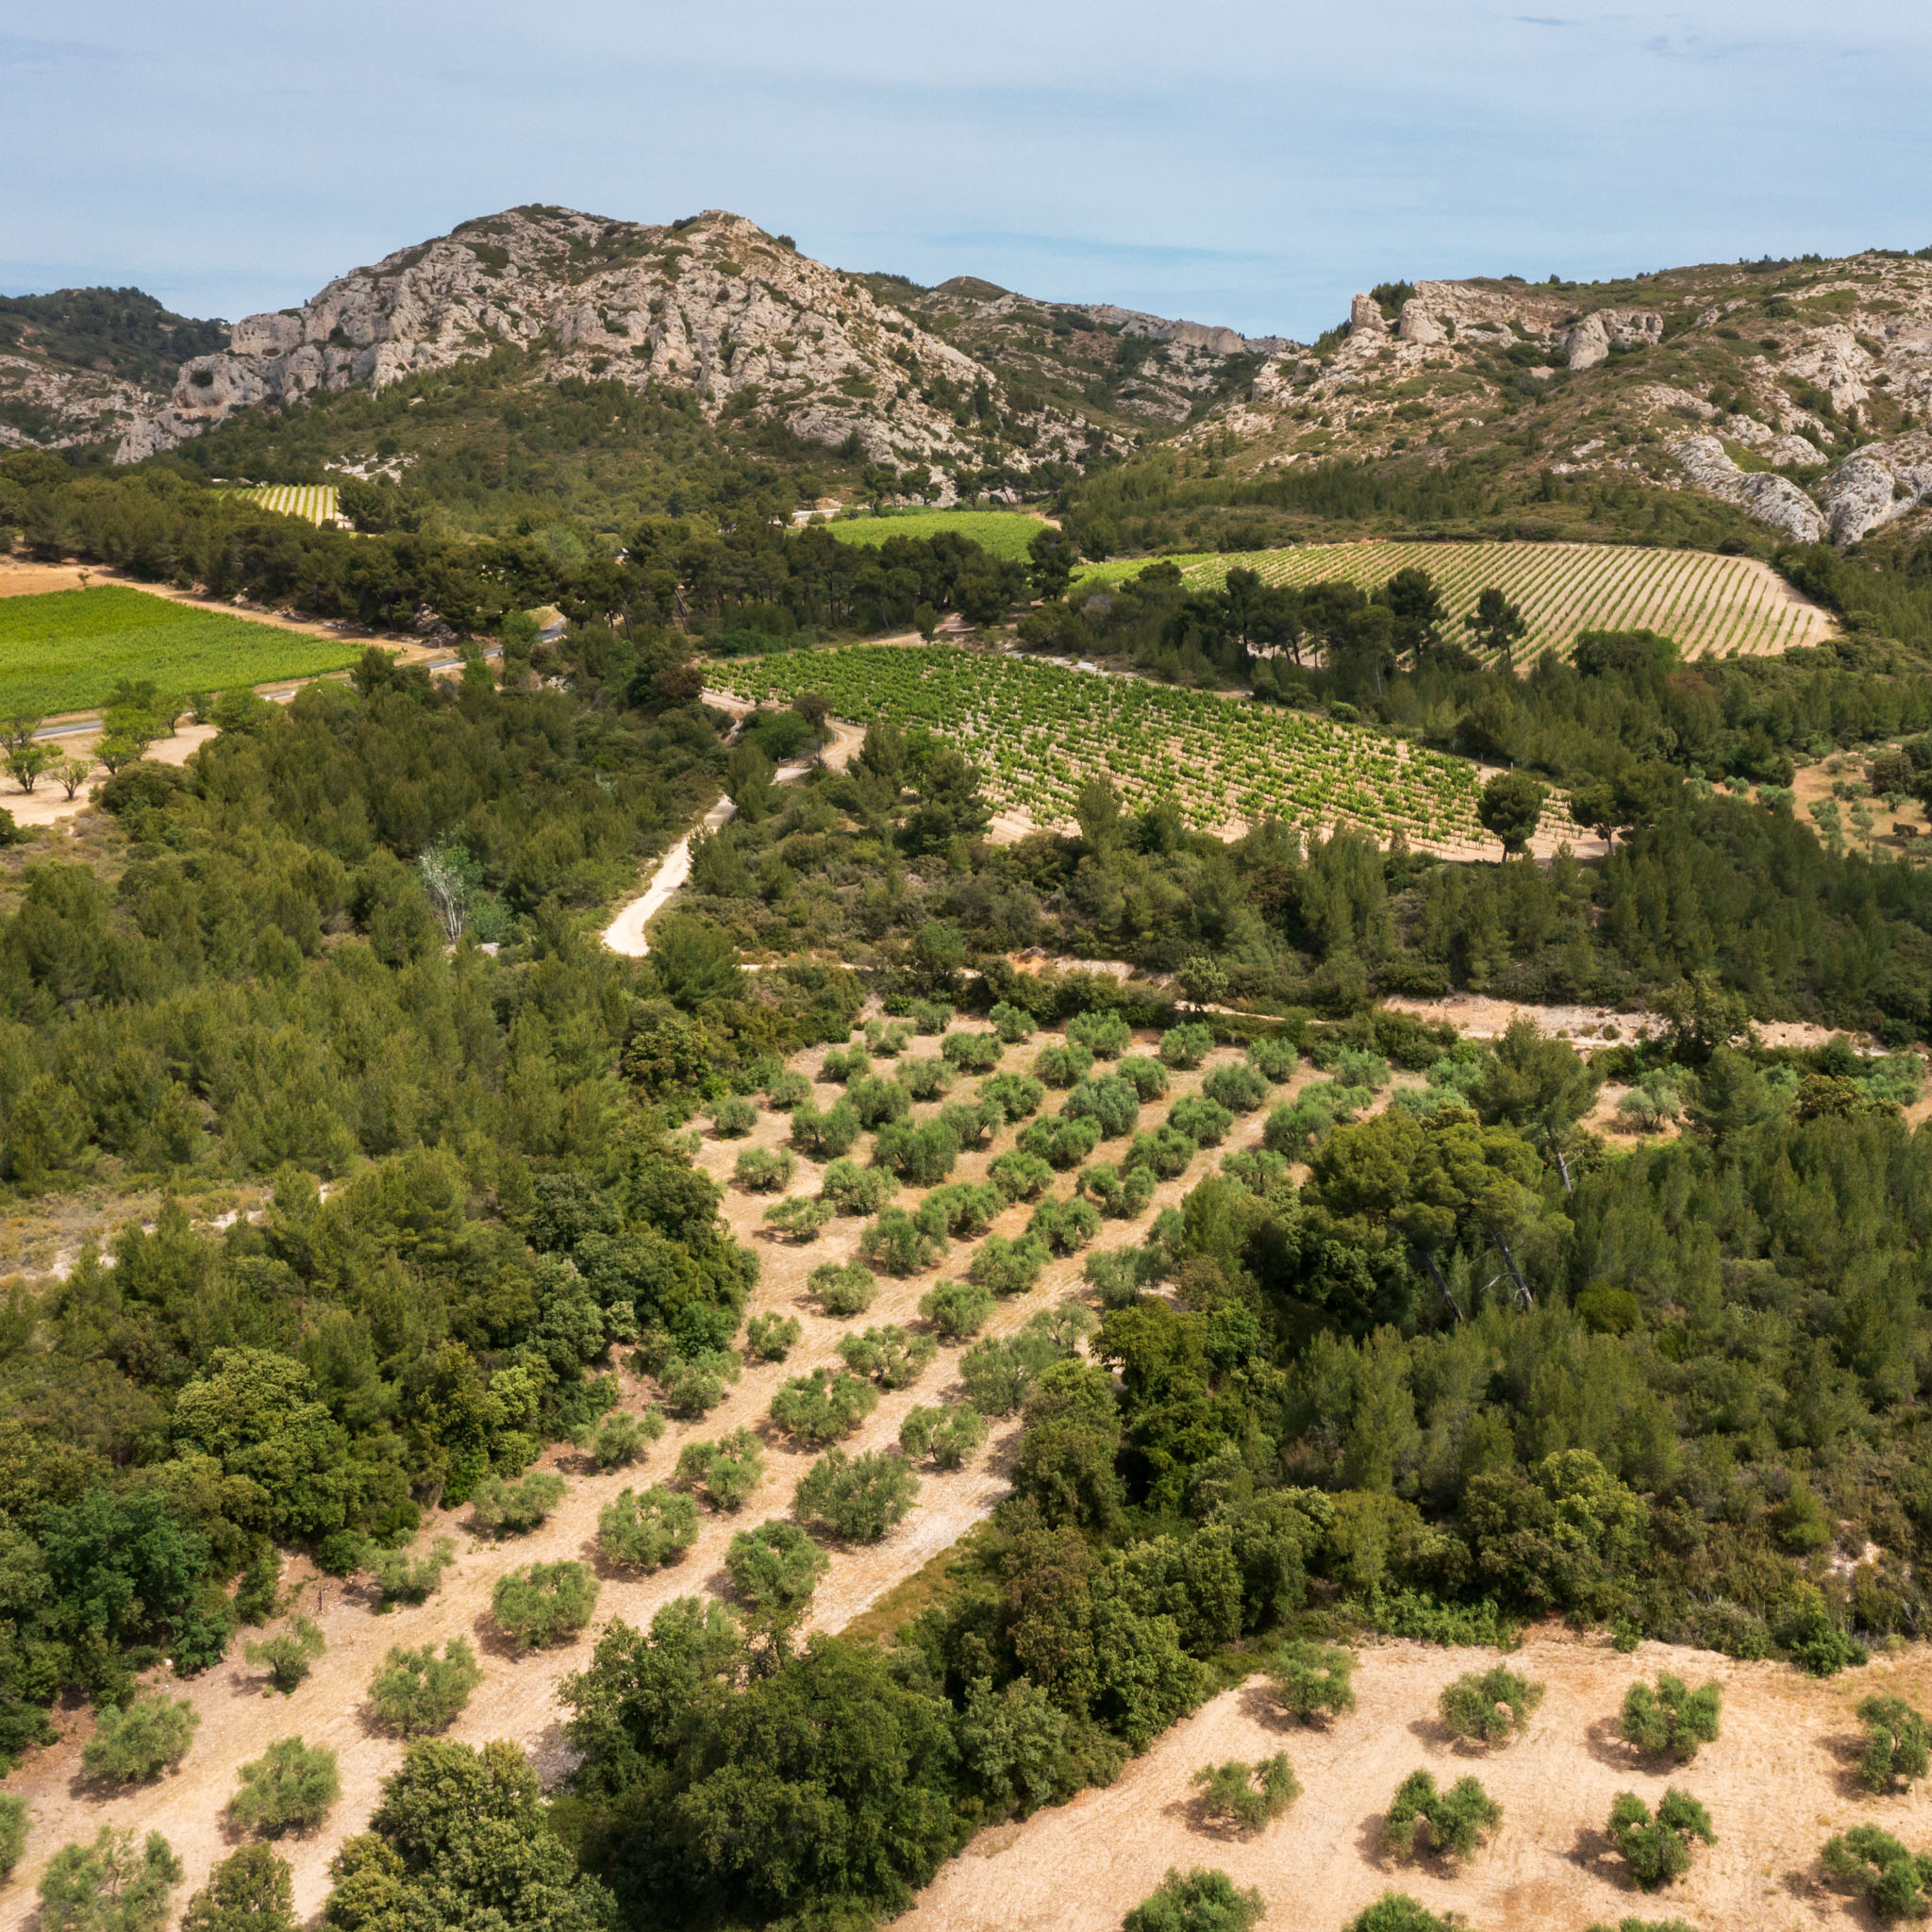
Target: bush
(997,1374)
(855,1190)
(887,1039)
(1275,1056)
(1107,1036)
(1062,1066)
(415,1692)
(643,1532)
(956,1309)
(783,1091)
(733,1118)
(845,1064)
(1063,1143)
(827,1134)
(289,1655)
(844,1289)
(1118,1196)
(138,1743)
(930,1016)
(1673,1720)
(764,1170)
(971,1125)
(1874,1864)
(857,1498)
(1256,1169)
(948,1435)
(1018,1096)
(1312,1681)
(890,1356)
(544,1603)
(695,1384)
(1395,1911)
(728,1469)
(514,1508)
(1064,1226)
(1148,1078)
(1014,1025)
(1115,1275)
(1244,1797)
(800,1218)
(1019,1176)
(401,1578)
(922,1157)
(775,1568)
(1110,1101)
(13,1829)
(250,1890)
(1007,1267)
(924,1079)
(771,1338)
(107,1886)
(973,1053)
(1201,1902)
(1895,1744)
(1449,1823)
(877,1101)
(895,1244)
(1489,1706)
(1202,1121)
(964,1210)
(1658,1849)
(1166,1153)
(1813,1637)
(620,1439)
(1238,1088)
(1186,1046)
(290,1787)
(821,1408)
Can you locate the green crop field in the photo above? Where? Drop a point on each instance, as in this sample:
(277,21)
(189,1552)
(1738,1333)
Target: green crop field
(1037,731)
(998,532)
(65,650)
(1712,606)
(315,503)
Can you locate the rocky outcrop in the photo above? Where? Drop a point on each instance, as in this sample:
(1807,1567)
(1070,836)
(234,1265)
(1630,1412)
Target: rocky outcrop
(1876,485)
(1365,317)
(1771,499)
(1591,341)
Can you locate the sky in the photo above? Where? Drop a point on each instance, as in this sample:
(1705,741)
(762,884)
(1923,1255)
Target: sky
(1230,162)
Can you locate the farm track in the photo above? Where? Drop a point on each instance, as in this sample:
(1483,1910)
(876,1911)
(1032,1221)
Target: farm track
(517,1699)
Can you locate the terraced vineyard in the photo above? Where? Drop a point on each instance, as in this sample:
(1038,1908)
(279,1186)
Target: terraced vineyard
(313,502)
(998,532)
(1038,731)
(1712,606)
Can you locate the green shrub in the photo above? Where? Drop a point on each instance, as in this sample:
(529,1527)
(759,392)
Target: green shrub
(733,1118)
(823,1135)
(1186,1046)
(930,1016)
(1120,1197)
(1165,1153)
(1311,1680)
(140,1741)
(1202,1121)
(895,1244)
(1110,1100)
(1395,1911)
(13,1831)
(258,1595)
(504,1507)
(775,1570)
(1238,1088)
(1895,1744)
(764,1170)
(1488,1707)
(1450,1824)
(821,1408)
(956,1309)
(973,1053)
(1147,1077)
(844,1289)
(855,1190)
(544,1603)
(250,1890)
(926,1078)
(877,1101)
(1107,1036)
(1256,1169)
(1275,1056)
(964,1210)
(290,1787)
(728,1469)
(1018,1096)
(1019,1176)
(107,1886)
(1007,1267)
(401,1578)
(695,1384)
(1064,1226)
(1115,1275)
(1657,1850)
(1889,1879)
(783,1091)
(289,1655)
(415,1692)
(973,1124)
(1014,1025)
(845,1064)
(890,1356)
(771,1338)
(949,1435)
(800,1218)
(1813,1637)
(1201,1902)
(620,1439)
(643,1531)
(1063,1143)
(887,1039)
(997,1374)
(857,1498)
(1672,1720)
(921,1156)
(1062,1066)
(1244,1797)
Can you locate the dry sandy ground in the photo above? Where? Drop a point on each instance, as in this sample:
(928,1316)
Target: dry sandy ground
(1776,1783)
(518,1698)
(1476,1016)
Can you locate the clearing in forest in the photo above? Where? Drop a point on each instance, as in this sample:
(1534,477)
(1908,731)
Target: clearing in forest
(314,502)
(1713,606)
(66,650)
(999,532)
(1038,731)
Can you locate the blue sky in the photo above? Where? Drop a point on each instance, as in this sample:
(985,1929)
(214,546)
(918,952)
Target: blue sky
(1230,162)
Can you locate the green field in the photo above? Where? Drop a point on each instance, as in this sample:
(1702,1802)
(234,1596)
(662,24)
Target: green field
(1710,604)
(314,502)
(65,650)
(1037,731)
(998,532)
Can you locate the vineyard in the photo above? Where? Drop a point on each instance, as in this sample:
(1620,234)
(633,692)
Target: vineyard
(314,502)
(999,532)
(1712,606)
(1038,731)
